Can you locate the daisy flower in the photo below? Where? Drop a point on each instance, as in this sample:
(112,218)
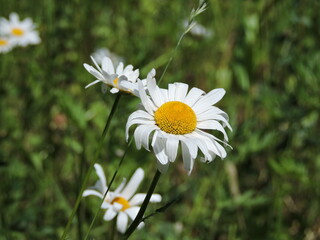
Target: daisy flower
(119,79)
(100,53)
(5,44)
(176,116)
(22,33)
(123,202)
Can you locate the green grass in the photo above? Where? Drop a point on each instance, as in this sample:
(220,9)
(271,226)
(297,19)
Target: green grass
(264,53)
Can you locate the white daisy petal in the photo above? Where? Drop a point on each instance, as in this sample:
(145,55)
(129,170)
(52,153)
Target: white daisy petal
(215,95)
(122,222)
(119,70)
(14,17)
(95,63)
(212,111)
(140,114)
(209,99)
(94,72)
(148,105)
(211,137)
(138,198)
(134,75)
(155,198)
(109,215)
(137,121)
(221,152)
(212,144)
(141,225)
(120,187)
(91,192)
(172,145)
(129,86)
(171,92)
(128,69)
(192,147)
(181,91)
(107,65)
(133,184)
(141,135)
(102,177)
(214,125)
(213,150)
(114,90)
(222,119)
(187,159)
(158,146)
(193,96)
(164,93)
(117,206)
(151,74)
(140,121)
(155,92)
(132,212)
(106,205)
(200,142)
(158,143)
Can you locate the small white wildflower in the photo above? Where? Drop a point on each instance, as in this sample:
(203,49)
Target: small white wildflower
(119,79)
(123,202)
(22,33)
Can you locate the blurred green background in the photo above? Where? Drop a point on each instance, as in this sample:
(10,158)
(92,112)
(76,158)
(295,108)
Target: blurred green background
(266,55)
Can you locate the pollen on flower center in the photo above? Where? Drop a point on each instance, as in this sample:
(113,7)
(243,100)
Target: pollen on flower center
(176,118)
(17,31)
(125,204)
(3,42)
(115,82)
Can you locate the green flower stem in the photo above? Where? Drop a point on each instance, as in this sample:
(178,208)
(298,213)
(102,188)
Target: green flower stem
(93,161)
(144,205)
(109,187)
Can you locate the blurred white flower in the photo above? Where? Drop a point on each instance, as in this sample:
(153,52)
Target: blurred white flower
(100,53)
(119,79)
(5,44)
(176,116)
(197,29)
(22,33)
(123,202)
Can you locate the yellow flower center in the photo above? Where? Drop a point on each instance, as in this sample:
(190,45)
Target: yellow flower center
(3,42)
(115,82)
(125,204)
(176,118)
(17,31)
